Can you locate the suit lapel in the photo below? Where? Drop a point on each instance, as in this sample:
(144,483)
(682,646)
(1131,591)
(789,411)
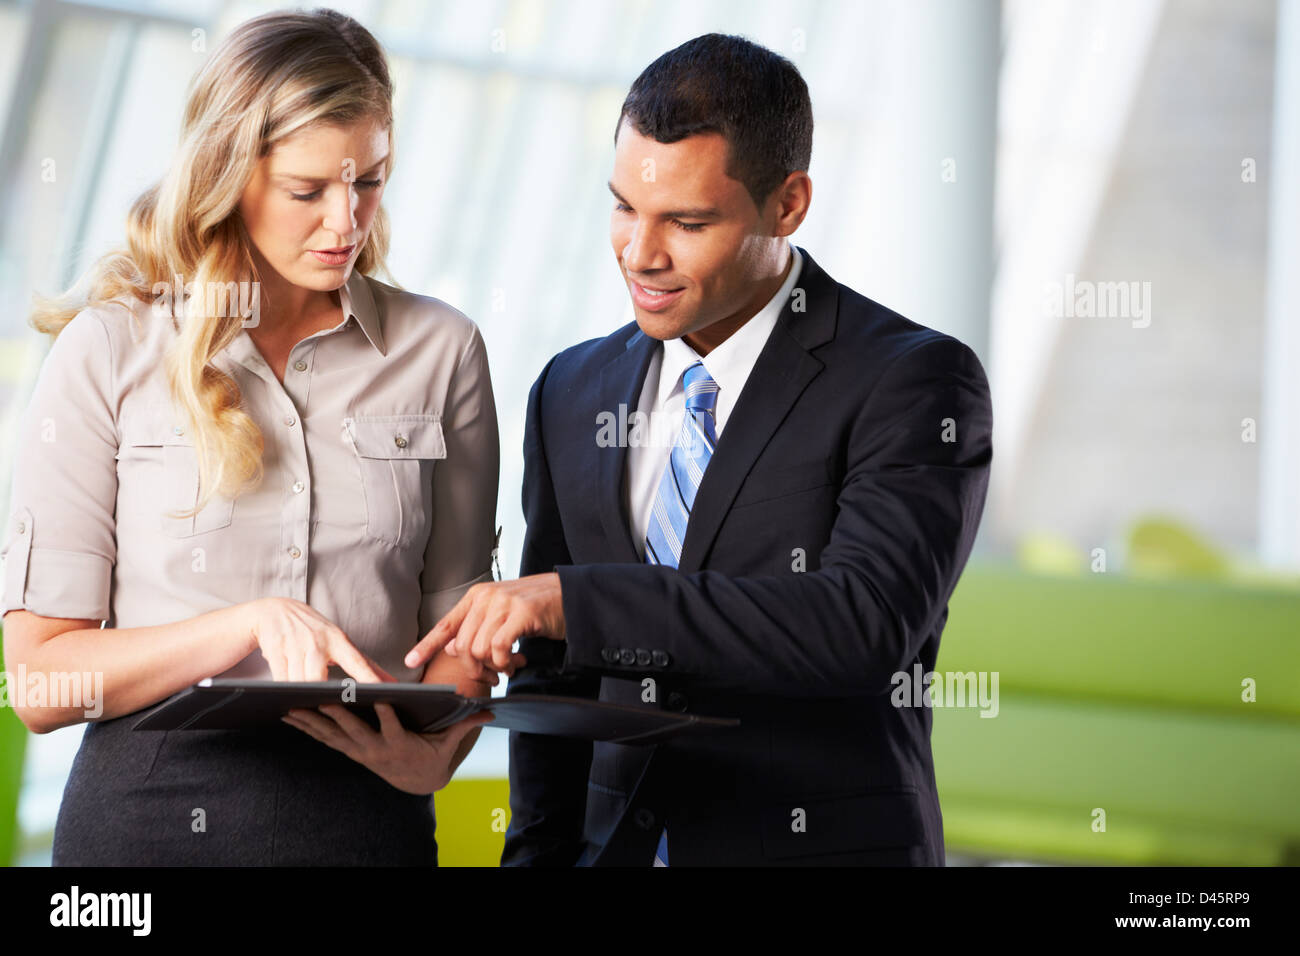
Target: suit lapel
(620,384)
(783,370)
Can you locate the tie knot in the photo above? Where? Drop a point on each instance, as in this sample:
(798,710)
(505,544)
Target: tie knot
(701,390)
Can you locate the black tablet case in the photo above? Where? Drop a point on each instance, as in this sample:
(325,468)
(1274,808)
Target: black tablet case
(230,704)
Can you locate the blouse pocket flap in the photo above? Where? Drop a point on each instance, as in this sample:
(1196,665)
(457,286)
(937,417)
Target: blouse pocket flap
(155,428)
(397,436)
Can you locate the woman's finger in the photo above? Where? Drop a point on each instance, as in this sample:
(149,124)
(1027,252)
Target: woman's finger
(390,725)
(314,666)
(361,733)
(312,726)
(449,738)
(274,656)
(457,731)
(355,663)
(293,662)
(300,726)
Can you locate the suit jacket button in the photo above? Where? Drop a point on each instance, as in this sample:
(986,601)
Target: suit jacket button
(677,701)
(659,658)
(609,655)
(643,818)
(642,657)
(627,656)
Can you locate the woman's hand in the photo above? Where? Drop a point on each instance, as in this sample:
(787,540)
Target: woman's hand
(413,762)
(300,644)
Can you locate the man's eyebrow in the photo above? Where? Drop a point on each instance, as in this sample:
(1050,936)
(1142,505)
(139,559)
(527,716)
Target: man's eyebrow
(702,213)
(315,180)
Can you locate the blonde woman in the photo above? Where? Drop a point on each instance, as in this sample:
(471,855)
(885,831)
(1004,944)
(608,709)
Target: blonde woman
(247,457)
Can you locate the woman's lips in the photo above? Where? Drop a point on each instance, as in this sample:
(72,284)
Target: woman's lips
(649,300)
(334,257)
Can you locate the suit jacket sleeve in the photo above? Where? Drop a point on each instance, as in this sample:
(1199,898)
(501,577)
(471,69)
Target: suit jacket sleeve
(907,514)
(548,775)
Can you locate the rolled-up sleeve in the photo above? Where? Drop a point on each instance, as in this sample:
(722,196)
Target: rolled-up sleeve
(60,544)
(459,552)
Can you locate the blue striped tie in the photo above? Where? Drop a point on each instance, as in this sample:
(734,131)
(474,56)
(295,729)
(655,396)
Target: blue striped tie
(681,480)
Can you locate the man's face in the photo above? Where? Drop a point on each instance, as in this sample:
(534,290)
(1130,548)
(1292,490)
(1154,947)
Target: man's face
(689,240)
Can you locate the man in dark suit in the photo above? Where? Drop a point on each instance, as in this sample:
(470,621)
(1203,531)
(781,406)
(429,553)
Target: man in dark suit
(788,551)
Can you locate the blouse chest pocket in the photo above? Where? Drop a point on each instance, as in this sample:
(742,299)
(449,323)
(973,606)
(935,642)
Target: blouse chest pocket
(158,471)
(396,454)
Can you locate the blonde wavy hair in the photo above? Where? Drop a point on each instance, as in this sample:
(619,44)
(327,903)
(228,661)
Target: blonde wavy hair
(273,76)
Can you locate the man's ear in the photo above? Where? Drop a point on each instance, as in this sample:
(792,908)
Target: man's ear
(789,203)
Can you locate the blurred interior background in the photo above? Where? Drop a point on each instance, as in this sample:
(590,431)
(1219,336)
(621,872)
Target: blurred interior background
(1082,190)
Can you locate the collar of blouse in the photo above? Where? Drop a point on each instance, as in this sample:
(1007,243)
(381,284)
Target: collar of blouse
(358,303)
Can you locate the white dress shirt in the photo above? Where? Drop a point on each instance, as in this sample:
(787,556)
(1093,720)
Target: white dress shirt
(663,401)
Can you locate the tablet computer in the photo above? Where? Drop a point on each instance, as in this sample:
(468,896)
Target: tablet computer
(239,704)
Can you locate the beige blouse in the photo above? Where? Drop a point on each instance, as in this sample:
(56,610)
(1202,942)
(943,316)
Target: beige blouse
(379,497)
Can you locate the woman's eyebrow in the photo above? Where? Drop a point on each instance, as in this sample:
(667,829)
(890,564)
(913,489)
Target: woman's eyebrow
(281,177)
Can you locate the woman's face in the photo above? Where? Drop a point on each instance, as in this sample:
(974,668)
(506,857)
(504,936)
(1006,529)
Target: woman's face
(310,202)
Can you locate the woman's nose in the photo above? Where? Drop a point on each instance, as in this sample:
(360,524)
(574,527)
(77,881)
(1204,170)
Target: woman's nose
(340,216)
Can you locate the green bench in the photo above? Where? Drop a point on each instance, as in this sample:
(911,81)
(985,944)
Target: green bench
(1126,695)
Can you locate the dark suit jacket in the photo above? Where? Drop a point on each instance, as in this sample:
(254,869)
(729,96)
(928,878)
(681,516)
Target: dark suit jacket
(832,523)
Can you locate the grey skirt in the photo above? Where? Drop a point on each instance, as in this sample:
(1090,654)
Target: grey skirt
(232,798)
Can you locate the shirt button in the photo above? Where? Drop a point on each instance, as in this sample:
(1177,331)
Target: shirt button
(290,421)
(300,365)
(22,527)
(178,430)
(400,441)
(295,553)
(298,486)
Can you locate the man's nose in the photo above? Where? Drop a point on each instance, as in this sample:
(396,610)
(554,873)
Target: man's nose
(643,252)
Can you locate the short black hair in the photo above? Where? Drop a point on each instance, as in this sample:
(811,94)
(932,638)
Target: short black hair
(729,85)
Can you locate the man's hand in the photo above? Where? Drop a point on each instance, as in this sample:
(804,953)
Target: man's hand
(489,619)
